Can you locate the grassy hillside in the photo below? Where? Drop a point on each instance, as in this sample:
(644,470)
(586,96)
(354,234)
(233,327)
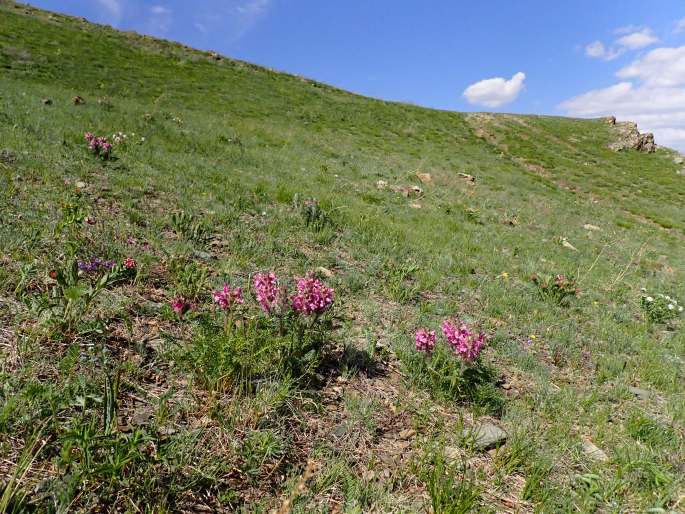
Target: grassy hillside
(113,401)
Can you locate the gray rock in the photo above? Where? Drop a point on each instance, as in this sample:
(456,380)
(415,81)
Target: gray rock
(205,256)
(594,452)
(629,138)
(485,436)
(642,394)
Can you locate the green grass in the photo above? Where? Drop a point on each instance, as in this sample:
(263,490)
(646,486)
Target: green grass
(119,404)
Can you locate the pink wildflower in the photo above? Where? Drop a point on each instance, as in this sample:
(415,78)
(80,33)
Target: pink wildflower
(266,286)
(129,263)
(227,298)
(180,306)
(425,340)
(312,297)
(98,144)
(464,342)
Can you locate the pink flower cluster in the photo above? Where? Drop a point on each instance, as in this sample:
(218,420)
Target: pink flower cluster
(99,145)
(180,306)
(465,343)
(228,298)
(425,340)
(312,297)
(266,286)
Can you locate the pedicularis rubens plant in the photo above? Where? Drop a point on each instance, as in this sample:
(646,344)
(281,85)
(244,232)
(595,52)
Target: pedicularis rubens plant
(282,332)
(659,308)
(453,369)
(99,145)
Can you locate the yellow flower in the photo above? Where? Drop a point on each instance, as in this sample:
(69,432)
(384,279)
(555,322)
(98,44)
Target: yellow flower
(533,337)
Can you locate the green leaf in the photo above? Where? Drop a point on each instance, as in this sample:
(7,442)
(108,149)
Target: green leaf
(73,293)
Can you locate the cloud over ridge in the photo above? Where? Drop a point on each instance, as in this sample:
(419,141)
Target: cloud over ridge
(495,92)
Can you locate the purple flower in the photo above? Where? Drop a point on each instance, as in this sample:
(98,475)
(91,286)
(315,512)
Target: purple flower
(312,297)
(96,264)
(98,145)
(180,306)
(266,286)
(227,298)
(425,340)
(464,342)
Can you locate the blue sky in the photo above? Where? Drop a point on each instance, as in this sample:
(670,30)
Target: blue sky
(576,57)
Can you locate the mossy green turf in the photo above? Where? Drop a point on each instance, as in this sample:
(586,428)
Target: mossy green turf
(238,146)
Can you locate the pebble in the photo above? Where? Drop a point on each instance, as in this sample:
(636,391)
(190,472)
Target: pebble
(642,394)
(594,452)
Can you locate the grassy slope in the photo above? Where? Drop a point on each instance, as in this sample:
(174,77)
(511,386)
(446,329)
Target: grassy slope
(235,145)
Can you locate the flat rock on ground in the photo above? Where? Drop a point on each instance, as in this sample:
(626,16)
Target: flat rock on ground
(485,435)
(594,452)
(642,394)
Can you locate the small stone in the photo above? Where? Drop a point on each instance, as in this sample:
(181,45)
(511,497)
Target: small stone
(425,178)
(415,205)
(485,436)
(594,452)
(587,226)
(407,433)
(642,394)
(381,184)
(324,271)
(339,431)
(468,177)
(566,244)
(80,184)
(452,453)
(205,256)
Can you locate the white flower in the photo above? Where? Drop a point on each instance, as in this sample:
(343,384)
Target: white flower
(680,309)
(670,307)
(649,299)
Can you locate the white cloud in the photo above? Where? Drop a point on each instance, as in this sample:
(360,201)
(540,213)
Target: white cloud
(160,10)
(679,26)
(627,29)
(597,50)
(160,20)
(496,91)
(234,18)
(633,38)
(637,40)
(252,8)
(115,9)
(661,67)
(654,99)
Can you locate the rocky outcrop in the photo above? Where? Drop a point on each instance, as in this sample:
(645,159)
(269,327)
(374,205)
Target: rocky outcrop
(629,138)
